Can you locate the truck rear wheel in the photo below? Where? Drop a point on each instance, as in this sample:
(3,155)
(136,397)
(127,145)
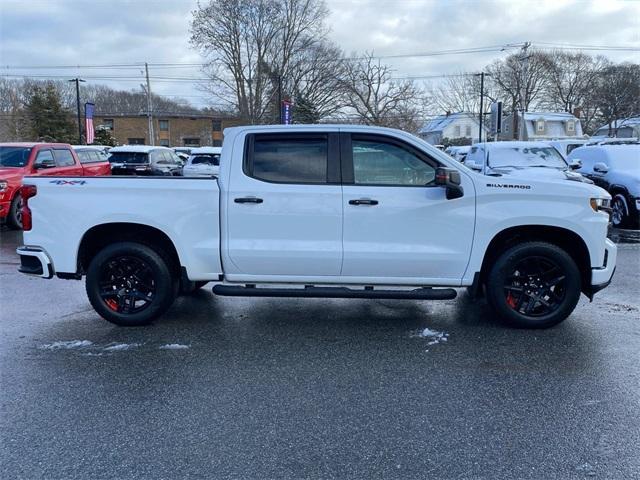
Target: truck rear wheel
(534,285)
(130,284)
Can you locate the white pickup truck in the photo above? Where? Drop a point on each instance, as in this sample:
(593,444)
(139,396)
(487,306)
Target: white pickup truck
(323,211)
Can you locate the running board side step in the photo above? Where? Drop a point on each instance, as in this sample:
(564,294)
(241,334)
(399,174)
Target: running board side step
(336,292)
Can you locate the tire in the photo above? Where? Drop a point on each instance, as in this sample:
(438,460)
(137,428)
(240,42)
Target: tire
(15,213)
(534,285)
(130,284)
(619,211)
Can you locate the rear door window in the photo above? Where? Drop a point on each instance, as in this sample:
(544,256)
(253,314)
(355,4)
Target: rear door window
(301,159)
(64,158)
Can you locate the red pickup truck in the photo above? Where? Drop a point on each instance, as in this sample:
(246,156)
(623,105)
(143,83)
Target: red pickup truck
(20,159)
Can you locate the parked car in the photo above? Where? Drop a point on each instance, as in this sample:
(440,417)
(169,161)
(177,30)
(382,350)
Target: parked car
(616,168)
(144,160)
(459,153)
(94,160)
(565,146)
(521,159)
(36,159)
(183,150)
(203,162)
(324,211)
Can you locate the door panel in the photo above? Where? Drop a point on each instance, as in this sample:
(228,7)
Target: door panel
(277,226)
(412,230)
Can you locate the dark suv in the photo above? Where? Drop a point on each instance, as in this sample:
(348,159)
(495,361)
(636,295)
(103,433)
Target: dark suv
(144,160)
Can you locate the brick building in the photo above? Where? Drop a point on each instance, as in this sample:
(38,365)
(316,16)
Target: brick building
(176,130)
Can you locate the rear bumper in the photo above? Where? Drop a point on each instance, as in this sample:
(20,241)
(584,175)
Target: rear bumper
(35,262)
(601,276)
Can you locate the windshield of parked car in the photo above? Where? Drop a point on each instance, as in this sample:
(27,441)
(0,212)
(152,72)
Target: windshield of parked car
(129,157)
(14,156)
(524,156)
(205,159)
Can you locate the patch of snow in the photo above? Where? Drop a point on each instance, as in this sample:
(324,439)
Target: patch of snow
(118,347)
(66,345)
(433,336)
(174,346)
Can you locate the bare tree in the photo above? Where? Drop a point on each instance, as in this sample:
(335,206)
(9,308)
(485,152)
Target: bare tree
(251,46)
(521,82)
(373,98)
(617,94)
(461,93)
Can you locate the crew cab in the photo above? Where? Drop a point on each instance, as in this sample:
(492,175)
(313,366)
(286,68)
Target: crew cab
(36,159)
(323,211)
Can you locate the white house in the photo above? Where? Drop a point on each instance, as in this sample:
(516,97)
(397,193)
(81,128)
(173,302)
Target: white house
(541,126)
(452,125)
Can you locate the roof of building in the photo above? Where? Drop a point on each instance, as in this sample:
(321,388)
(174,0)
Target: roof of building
(439,123)
(138,148)
(549,116)
(622,122)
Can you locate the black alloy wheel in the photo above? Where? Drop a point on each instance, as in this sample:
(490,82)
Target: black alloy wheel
(533,285)
(126,284)
(536,286)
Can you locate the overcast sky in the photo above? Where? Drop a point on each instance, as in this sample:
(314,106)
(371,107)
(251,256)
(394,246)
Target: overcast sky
(98,32)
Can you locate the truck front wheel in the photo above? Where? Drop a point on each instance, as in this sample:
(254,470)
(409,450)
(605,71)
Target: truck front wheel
(130,284)
(534,285)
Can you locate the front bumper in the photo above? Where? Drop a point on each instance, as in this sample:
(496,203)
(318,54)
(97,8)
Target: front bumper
(601,276)
(35,262)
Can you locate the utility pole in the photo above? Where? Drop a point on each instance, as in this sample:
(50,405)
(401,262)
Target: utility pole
(149,106)
(481,115)
(78,80)
(280,98)
(524,59)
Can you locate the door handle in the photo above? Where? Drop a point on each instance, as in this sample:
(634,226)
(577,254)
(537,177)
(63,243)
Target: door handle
(363,201)
(248,200)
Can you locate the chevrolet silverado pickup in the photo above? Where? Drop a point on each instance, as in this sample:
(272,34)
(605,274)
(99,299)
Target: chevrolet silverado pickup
(323,211)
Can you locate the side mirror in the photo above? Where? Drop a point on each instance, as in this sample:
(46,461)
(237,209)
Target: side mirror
(600,168)
(450,179)
(44,164)
(575,164)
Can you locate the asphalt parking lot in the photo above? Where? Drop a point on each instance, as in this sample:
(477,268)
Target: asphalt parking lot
(279,388)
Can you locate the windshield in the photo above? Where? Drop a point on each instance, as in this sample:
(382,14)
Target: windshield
(526,157)
(206,159)
(129,157)
(14,156)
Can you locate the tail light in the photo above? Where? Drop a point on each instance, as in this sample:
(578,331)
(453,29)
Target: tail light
(26,192)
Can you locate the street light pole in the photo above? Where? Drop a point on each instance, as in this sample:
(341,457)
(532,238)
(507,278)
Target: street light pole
(78,80)
(481,106)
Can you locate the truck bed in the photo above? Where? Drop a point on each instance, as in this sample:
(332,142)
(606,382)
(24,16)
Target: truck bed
(185,209)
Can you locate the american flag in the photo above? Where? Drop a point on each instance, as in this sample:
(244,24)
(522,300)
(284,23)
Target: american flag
(88,122)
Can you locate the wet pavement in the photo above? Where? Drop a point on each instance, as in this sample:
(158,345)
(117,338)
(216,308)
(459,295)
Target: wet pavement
(283,388)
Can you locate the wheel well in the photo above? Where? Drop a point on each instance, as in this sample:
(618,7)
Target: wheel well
(98,237)
(567,240)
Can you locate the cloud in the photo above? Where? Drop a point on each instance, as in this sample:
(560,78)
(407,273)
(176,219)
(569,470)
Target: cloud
(72,32)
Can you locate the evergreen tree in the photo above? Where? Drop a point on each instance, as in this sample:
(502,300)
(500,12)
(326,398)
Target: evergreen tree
(103,137)
(49,121)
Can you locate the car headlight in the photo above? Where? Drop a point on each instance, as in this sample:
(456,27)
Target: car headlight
(3,185)
(600,204)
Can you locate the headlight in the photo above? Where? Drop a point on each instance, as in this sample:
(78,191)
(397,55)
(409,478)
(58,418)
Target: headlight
(3,185)
(600,204)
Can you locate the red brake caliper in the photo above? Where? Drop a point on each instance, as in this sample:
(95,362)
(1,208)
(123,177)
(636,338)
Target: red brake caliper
(511,300)
(112,304)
